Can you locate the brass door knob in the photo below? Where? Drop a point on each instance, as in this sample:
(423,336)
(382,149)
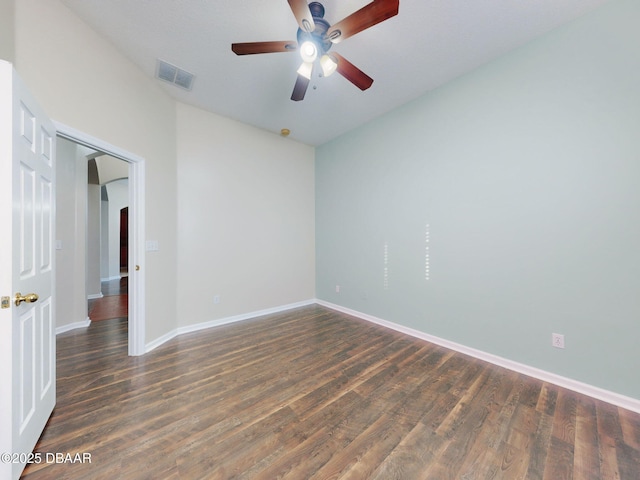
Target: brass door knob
(29,298)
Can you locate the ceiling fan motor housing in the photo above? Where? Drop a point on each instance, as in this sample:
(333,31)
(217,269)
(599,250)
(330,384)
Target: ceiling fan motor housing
(318,36)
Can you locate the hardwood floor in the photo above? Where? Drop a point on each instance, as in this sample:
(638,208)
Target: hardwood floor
(114,303)
(312,393)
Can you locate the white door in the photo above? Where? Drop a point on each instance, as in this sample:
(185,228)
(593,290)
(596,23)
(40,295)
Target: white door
(27,321)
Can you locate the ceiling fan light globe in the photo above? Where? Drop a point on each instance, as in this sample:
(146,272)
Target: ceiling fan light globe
(306,69)
(308,51)
(328,64)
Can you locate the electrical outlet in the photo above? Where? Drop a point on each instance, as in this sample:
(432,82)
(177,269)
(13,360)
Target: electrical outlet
(216,299)
(337,288)
(557,340)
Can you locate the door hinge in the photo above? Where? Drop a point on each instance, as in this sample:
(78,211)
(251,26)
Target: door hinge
(6,302)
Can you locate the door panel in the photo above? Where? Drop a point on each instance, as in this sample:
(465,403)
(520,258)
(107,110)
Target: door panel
(47,358)
(26,201)
(27,327)
(27,371)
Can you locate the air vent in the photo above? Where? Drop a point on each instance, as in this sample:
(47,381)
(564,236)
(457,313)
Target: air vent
(174,75)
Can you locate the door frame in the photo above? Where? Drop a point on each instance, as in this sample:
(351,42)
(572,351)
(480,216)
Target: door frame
(136,163)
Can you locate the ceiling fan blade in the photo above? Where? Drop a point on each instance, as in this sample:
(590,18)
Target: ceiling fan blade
(300,88)
(352,73)
(301,11)
(251,48)
(368,16)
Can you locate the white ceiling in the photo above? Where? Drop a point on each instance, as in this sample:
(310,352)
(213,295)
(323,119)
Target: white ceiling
(426,45)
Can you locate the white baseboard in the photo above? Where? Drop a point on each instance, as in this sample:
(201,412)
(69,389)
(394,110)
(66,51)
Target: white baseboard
(108,279)
(93,296)
(613,398)
(160,340)
(73,326)
(223,321)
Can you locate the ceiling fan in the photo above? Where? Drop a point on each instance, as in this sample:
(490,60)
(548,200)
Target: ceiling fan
(315,38)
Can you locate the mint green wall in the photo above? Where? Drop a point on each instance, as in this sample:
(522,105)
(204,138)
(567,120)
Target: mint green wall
(527,172)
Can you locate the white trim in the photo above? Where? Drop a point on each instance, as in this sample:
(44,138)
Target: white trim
(109,279)
(73,326)
(613,398)
(136,229)
(160,340)
(137,258)
(244,316)
(224,321)
(94,296)
(70,133)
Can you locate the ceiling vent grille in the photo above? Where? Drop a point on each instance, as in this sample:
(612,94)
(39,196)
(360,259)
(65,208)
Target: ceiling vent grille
(174,75)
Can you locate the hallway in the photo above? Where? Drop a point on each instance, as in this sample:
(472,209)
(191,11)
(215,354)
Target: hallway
(114,303)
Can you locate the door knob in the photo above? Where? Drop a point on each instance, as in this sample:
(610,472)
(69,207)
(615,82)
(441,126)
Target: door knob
(29,298)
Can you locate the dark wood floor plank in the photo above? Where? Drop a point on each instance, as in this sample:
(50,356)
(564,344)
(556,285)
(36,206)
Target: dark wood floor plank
(517,455)
(113,306)
(546,403)
(586,462)
(483,460)
(504,446)
(435,401)
(417,450)
(242,450)
(313,393)
(361,457)
(564,422)
(474,412)
(314,439)
(609,434)
(540,446)
(630,425)
(403,400)
(559,460)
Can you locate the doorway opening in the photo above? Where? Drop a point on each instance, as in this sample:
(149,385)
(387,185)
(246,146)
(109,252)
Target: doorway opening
(135,230)
(124,241)
(107,256)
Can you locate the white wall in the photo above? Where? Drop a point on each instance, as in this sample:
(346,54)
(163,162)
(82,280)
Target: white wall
(84,82)
(7,30)
(104,239)
(93,241)
(71,231)
(246,226)
(110,168)
(258,250)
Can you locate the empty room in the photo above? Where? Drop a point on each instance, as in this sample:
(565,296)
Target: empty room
(366,240)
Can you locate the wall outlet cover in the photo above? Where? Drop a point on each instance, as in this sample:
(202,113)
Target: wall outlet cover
(557,340)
